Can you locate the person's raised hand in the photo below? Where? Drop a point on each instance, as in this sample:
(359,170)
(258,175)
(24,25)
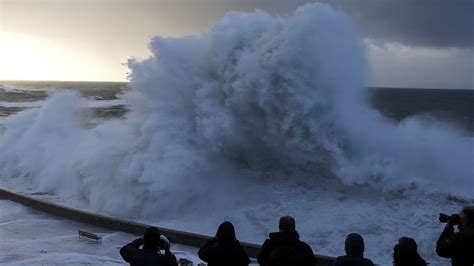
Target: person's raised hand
(166,242)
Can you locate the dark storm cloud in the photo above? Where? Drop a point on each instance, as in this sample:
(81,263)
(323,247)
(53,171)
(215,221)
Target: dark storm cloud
(428,23)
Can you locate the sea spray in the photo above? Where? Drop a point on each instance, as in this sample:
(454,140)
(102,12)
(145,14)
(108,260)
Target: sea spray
(259,117)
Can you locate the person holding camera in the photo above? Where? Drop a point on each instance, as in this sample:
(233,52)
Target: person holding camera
(224,249)
(459,246)
(150,254)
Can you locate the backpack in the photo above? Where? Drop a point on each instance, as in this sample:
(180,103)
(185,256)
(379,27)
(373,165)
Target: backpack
(286,255)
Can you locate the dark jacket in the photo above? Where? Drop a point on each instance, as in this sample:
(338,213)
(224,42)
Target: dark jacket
(224,249)
(406,253)
(218,254)
(352,261)
(132,254)
(285,248)
(457,246)
(354,246)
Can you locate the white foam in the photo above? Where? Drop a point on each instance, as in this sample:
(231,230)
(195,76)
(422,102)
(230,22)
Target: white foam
(104,103)
(260,117)
(22,88)
(86,104)
(31,104)
(10,88)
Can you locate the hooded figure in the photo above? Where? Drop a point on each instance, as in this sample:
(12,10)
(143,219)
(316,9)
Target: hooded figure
(224,249)
(355,252)
(406,253)
(226,233)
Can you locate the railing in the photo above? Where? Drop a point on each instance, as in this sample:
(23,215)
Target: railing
(115,224)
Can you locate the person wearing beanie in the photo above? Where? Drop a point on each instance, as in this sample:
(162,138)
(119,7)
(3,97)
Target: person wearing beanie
(284,248)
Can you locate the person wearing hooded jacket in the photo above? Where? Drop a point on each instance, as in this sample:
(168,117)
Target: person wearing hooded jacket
(284,248)
(355,247)
(406,253)
(224,249)
(459,246)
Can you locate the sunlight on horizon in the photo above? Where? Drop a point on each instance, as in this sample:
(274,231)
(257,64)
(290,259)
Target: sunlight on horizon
(27,57)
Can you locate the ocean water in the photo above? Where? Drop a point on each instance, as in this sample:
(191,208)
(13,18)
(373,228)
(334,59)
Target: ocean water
(449,105)
(16,96)
(452,105)
(261,117)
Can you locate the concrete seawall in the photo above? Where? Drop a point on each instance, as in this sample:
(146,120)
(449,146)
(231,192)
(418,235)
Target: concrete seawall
(175,236)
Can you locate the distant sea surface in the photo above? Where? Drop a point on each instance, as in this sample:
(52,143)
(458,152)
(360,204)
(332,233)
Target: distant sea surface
(16,96)
(450,105)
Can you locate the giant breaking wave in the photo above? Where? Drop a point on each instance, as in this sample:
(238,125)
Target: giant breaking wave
(259,117)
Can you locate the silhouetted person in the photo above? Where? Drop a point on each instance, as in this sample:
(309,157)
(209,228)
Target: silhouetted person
(406,253)
(224,249)
(284,248)
(458,246)
(355,252)
(150,253)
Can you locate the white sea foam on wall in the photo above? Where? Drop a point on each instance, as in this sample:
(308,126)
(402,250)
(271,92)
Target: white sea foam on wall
(259,117)
(86,104)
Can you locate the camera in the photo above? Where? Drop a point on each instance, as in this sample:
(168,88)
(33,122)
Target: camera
(164,243)
(452,219)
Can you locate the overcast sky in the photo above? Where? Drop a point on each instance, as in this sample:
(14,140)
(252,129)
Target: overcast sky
(411,43)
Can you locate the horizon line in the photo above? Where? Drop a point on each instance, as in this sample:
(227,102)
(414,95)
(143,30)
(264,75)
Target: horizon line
(60,80)
(127,81)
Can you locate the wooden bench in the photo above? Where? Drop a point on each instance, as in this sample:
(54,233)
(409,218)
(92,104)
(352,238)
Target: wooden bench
(89,235)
